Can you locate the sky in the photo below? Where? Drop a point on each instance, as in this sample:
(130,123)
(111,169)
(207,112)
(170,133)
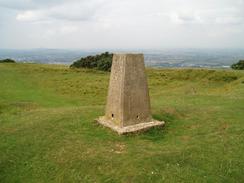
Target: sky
(121,24)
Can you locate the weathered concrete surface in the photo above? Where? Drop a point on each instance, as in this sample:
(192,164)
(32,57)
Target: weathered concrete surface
(129,129)
(128,102)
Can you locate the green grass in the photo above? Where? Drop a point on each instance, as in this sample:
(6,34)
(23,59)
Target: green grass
(48,133)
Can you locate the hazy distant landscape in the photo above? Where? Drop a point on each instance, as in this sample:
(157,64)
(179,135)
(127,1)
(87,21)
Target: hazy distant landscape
(211,58)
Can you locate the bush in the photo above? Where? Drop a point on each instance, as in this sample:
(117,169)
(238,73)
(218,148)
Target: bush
(7,61)
(100,62)
(238,66)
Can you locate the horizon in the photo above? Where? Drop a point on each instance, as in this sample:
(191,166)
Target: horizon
(123,49)
(178,57)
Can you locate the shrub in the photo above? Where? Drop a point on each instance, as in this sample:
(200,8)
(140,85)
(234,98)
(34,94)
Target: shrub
(100,62)
(238,66)
(7,61)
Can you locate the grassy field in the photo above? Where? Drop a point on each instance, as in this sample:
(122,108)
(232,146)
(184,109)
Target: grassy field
(48,133)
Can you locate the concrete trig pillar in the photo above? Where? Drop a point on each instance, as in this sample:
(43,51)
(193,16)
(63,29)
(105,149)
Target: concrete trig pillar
(128,102)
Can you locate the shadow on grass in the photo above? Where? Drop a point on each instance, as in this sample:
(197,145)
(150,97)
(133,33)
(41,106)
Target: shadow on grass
(156,134)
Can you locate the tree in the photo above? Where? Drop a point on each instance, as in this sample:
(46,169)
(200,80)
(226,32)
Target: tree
(238,66)
(7,61)
(100,62)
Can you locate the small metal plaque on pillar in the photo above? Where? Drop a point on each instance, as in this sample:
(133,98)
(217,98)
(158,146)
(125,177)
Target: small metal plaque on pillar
(128,102)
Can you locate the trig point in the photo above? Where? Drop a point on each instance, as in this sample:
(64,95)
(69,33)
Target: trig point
(128,102)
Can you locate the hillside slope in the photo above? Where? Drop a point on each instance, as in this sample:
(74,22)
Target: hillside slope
(48,134)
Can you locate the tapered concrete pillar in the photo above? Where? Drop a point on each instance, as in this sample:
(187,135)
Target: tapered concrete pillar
(128,102)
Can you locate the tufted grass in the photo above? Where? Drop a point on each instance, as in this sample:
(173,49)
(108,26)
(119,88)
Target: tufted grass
(47,133)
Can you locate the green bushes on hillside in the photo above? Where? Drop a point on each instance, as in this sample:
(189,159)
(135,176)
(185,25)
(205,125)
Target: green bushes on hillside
(238,66)
(7,61)
(100,62)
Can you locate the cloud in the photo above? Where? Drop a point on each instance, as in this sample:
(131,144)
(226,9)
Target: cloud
(57,31)
(16,4)
(227,16)
(229,20)
(185,18)
(31,16)
(68,29)
(71,11)
(116,23)
(31,4)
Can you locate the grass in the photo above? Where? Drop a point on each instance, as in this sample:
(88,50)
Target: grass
(48,134)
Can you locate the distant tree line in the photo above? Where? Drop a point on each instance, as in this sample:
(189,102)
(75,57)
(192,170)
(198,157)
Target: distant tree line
(7,61)
(101,62)
(238,66)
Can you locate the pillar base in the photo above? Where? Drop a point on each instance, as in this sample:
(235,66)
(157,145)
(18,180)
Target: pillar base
(129,129)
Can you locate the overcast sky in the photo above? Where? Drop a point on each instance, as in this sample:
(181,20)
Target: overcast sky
(121,24)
